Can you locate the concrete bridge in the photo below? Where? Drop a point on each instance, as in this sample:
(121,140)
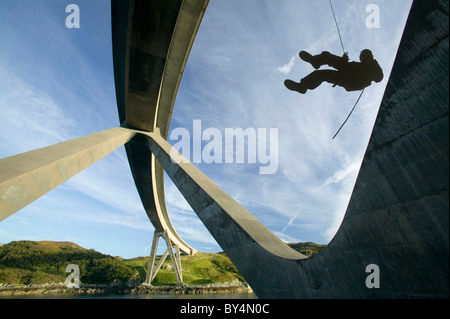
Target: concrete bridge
(397,221)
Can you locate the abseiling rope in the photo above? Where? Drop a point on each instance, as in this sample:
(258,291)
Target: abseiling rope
(337,27)
(343,49)
(348,115)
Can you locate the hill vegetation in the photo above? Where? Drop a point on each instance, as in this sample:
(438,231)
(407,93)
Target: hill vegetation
(308,249)
(37,263)
(28,262)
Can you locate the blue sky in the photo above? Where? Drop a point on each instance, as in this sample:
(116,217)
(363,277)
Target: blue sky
(57,84)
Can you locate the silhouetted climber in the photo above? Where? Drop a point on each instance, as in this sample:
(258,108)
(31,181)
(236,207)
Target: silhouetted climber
(353,76)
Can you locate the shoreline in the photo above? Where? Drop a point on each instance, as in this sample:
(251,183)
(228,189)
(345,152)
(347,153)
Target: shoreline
(143,289)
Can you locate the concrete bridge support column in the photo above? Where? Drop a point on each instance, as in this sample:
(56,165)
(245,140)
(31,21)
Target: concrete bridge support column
(152,270)
(28,176)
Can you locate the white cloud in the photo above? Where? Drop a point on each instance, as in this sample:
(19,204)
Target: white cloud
(287,238)
(342,174)
(33,116)
(287,68)
(289,223)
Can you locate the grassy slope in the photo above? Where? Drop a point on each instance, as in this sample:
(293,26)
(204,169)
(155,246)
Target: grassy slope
(202,268)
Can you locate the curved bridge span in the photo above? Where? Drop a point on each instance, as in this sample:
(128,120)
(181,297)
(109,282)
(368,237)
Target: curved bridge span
(151,44)
(398,216)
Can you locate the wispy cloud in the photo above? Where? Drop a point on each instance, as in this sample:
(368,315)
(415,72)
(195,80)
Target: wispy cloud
(287,68)
(342,174)
(287,238)
(34,116)
(289,223)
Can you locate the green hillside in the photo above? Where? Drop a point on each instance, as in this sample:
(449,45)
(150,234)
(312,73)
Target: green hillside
(30,262)
(202,268)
